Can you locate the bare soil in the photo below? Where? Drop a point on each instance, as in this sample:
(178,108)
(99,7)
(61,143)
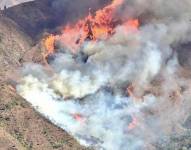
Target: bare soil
(20,126)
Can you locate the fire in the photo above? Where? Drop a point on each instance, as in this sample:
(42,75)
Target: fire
(78,117)
(130,92)
(133,124)
(98,26)
(132,24)
(49,43)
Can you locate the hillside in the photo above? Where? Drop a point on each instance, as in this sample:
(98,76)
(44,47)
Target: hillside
(22,29)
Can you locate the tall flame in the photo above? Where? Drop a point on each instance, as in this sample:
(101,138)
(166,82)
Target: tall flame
(49,43)
(101,25)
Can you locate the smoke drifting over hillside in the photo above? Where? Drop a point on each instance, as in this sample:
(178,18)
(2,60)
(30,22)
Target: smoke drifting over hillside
(121,86)
(11,3)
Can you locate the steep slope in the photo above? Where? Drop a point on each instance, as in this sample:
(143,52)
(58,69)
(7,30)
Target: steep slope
(13,44)
(38,16)
(20,126)
(20,26)
(10,3)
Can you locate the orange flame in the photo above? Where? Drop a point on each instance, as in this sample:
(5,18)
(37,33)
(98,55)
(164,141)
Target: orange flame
(49,43)
(133,124)
(78,117)
(132,24)
(130,92)
(93,27)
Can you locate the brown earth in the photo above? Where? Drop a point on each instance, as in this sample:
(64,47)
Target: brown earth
(21,127)
(21,28)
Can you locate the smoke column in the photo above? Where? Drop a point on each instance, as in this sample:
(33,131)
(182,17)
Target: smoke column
(130,92)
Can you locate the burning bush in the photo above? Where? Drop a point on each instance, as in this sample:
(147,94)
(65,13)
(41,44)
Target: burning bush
(115,82)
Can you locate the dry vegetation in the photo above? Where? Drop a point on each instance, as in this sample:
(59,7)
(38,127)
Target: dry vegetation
(20,126)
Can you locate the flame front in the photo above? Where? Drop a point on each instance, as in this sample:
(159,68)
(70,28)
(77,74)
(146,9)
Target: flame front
(95,27)
(49,43)
(113,85)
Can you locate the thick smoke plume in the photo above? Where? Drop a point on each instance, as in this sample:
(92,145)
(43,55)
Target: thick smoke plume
(127,91)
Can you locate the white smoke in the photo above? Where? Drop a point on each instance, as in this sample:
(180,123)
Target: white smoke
(90,100)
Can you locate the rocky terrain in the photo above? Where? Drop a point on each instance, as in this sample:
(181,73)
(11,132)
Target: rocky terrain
(21,28)
(20,126)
